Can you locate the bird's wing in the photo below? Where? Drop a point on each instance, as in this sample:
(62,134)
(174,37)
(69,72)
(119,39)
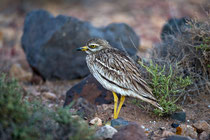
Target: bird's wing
(119,69)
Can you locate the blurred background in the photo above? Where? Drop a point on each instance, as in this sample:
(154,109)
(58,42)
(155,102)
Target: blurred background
(146,17)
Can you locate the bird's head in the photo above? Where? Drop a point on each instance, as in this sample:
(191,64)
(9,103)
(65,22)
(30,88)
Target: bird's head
(94,45)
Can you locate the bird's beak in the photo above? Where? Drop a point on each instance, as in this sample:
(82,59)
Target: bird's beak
(85,48)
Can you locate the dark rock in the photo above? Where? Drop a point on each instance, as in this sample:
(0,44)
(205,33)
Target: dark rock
(180,116)
(119,122)
(37,79)
(174,125)
(91,90)
(173,27)
(172,30)
(130,132)
(176,137)
(50,43)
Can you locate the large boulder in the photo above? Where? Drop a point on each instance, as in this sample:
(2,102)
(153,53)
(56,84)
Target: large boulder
(172,31)
(50,43)
(91,90)
(174,27)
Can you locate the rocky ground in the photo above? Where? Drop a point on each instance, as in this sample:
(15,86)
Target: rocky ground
(146,18)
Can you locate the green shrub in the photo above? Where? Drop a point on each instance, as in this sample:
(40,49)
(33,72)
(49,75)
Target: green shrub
(205,45)
(20,119)
(191,49)
(167,86)
(12,109)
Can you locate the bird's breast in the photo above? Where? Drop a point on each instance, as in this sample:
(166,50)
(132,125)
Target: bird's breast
(90,62)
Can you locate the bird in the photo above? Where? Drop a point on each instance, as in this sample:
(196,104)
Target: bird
(116,72)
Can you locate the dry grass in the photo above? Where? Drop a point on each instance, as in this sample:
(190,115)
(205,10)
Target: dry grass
(190,51)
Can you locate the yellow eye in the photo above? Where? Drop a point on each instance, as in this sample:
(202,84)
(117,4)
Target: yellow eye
(92,46)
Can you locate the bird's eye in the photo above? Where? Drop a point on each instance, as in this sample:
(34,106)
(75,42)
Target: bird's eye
(92,46)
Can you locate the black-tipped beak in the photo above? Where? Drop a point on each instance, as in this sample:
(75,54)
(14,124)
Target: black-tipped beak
(85,48)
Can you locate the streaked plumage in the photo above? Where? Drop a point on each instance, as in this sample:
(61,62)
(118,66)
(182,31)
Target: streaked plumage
(116,71)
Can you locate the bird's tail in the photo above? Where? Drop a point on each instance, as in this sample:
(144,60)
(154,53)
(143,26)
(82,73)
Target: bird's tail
(156,104)
(151,101)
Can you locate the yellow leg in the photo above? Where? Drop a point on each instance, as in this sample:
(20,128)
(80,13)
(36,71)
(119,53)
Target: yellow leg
(115,104)
(122,99)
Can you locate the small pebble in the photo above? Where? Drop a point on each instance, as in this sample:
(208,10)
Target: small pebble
(167,133)
(143,127)
(96,121)
(49,95)
(50,105)
(147,129)
(154,122)
(162,128)
(75,116)
(174,125)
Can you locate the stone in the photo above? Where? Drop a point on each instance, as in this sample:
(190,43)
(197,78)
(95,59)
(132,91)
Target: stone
(119,122)
(130,132)
(167,133)
(84,108)
(96,121)
(175,125)
(19,73)
(202,126)
(53,105)
(31,90)
(105,132)
(50,43)
(186,130)
(49,95)
(106,107)
(176,137)
(173,27)
(180,116)
(204,136)
(91,90)
(162,132)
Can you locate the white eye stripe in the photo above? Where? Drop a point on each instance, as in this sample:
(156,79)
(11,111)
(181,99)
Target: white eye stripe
(93,44)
